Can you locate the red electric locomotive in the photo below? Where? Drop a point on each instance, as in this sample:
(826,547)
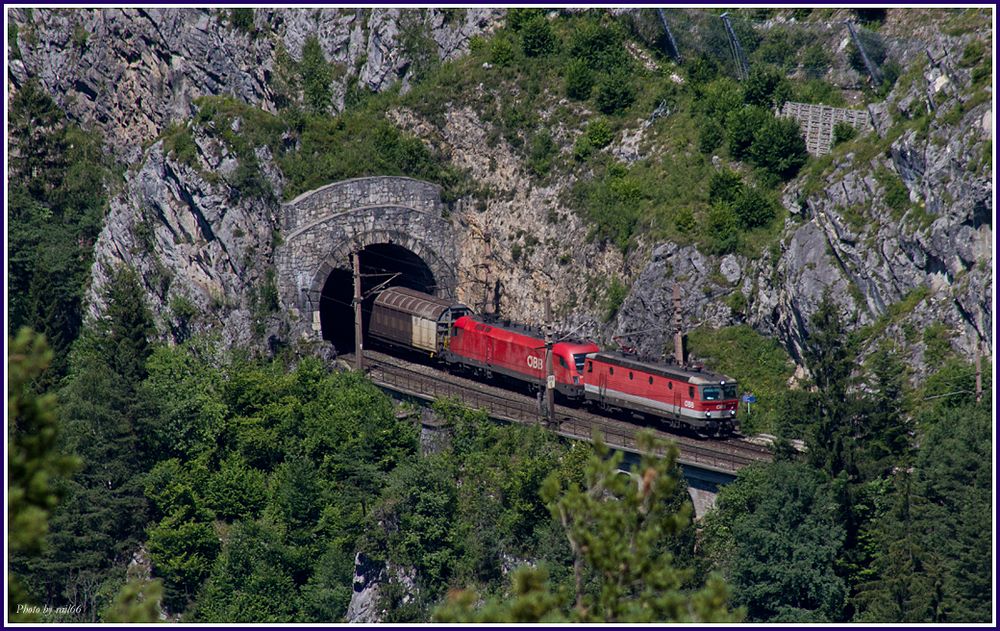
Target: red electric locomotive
(700,399)
(518,353)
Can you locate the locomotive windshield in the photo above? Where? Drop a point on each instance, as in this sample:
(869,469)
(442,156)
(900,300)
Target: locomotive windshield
(711,393)
(718,393)
(579,360)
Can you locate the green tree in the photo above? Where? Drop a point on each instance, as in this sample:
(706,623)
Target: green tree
(765,87)
(579,80)
(753,207)
(722,229)
(741,129)
(138,601)
(775,537)
(710,136)
(828,355)
(719,98)
(598,45)
(779,147)
(932,560)
(615,93)
(34,460)
(884,433)
(725,186)
(616,525)
(317,74)
(99,526)
(537,38)
(56,206)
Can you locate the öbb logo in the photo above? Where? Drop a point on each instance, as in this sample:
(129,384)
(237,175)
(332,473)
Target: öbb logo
(535,362)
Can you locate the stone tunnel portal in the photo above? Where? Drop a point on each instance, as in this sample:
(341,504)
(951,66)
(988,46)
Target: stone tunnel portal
(382,265)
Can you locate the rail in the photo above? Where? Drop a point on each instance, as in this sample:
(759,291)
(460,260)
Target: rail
(417,380)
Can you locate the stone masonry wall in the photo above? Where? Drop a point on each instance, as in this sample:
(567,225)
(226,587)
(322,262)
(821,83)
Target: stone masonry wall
(323,227)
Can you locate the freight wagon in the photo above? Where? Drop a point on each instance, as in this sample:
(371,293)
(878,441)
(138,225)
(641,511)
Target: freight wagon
(409,319)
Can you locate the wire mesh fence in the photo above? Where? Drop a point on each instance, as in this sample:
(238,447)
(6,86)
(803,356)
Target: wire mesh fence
(735,44)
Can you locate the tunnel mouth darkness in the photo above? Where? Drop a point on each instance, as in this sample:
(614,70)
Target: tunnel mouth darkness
(382,265)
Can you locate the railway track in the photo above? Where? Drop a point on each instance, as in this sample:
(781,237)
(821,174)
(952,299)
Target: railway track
(421,381)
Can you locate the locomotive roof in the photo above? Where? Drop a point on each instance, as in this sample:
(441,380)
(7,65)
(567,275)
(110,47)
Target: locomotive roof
(416,303)
(698,377)
(535,333)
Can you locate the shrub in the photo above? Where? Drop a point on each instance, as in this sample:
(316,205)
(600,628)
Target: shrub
(710,136)
(765,87)
(725,186)
(599,133)
(719,97)
(701,70)
(599,46)
(753,207)
(778,49)
(501,51)
(843,131)
(819,91)
(316,75)
(778,147)
(617,292)
(542,151)
(579,80)
(615,93)
(684,222)
(518,18)
(242,20)
(897,196)
(741,126)
(816,61)
(537,38)
(722,229)
(972,54)
(613,205)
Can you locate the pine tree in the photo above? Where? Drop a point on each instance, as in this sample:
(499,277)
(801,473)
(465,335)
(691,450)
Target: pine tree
(34,460)
(828,355)
(617,526)
(101,523)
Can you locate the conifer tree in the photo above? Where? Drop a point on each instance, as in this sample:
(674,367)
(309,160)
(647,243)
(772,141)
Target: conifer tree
(618,526)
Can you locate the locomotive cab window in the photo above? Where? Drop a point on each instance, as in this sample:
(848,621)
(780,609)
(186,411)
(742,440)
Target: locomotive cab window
(590,366)
(711,393)
(630,374)
(562,362)
(650,381)
(670,385)
(611,371)
(691,391)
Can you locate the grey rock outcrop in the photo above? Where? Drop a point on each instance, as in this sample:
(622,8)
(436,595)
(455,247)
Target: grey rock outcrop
(370,578)
(132,72)
(203,254)
(850,241)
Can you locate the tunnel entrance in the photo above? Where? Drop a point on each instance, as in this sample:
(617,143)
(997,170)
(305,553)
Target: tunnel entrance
(382,265)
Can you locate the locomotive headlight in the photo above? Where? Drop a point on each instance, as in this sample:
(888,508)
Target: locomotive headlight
(708,415)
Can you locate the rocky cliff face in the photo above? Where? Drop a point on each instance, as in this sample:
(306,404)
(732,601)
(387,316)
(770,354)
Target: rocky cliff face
(132,72)
(853,232)
(913,219)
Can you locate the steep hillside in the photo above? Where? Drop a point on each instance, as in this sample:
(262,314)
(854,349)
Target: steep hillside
(579,157)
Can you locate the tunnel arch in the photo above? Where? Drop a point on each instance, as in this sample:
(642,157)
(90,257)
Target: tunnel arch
(382,265)
(400,219)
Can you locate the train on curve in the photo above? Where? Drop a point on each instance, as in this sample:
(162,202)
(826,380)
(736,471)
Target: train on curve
(451,333)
